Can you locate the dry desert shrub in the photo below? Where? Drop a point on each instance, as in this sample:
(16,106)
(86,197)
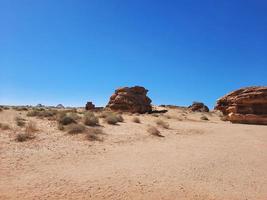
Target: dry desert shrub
(20,108)
(162,124)
(112,118)
(22,137)
(94,134)
(42,113)
(90,119)
(4,126)
(203,117)
(119,117)
(104,114)
(64,119)
(76,128)
(31,127)
(60,127)
(74,116)
(154,131)
(20,121)
(136,120)
(1,109)
(167,116)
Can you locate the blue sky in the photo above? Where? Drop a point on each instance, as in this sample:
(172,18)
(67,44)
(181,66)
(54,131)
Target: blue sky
(73,51)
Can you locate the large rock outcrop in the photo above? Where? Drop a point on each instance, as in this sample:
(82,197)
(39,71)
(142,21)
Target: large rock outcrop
(130,99)
(198,107)
(246,105)
(89,106)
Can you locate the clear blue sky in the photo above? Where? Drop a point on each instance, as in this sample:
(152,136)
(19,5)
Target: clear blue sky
(71,51)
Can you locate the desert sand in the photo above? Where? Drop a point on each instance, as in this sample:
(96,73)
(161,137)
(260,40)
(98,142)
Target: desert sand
(195,160)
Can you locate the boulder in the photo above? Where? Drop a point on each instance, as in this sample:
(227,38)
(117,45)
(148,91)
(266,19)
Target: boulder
(246,105)
(130,99)
(89,106)
(198,107)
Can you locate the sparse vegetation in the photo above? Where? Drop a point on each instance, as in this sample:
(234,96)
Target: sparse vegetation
(104,114)
(41,113)
(203,117)
(154,131)
(22,137)
(111,117)
(20,121)
(90,119)
(136,120)
(61,127)
(167,116)
(119,117)
(20,108)
(162,124)
(1,109)
(31,127)
(74,115)
(65,119)
(94,134)
(76,128)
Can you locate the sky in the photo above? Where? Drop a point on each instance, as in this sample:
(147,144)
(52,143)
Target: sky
(74,51)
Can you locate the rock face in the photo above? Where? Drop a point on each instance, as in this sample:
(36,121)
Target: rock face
(89,106)
(198,107)
(246,105)
(130,99)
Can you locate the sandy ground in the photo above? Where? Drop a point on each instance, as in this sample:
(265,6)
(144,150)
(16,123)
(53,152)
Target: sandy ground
(196,160)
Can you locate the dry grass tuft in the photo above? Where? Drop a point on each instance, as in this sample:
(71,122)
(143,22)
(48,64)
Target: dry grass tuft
(90,119)
(162,124)
(22,137)
(111,117)
(76,128)
(31,127)
(154,131)
(20,121)
(20,108)
(42,113)
(94,134)
(60,127)
(136,120)
(119,118)
(204,118)
(64,119)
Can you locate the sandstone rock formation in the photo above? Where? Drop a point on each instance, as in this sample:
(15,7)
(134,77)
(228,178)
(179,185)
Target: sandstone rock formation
(130,99)
(198,107)
(246,105)
(89,106)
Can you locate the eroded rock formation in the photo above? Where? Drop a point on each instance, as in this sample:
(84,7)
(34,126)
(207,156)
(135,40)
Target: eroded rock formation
(89,106)
(130,99)
(246,105)
(198,107)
